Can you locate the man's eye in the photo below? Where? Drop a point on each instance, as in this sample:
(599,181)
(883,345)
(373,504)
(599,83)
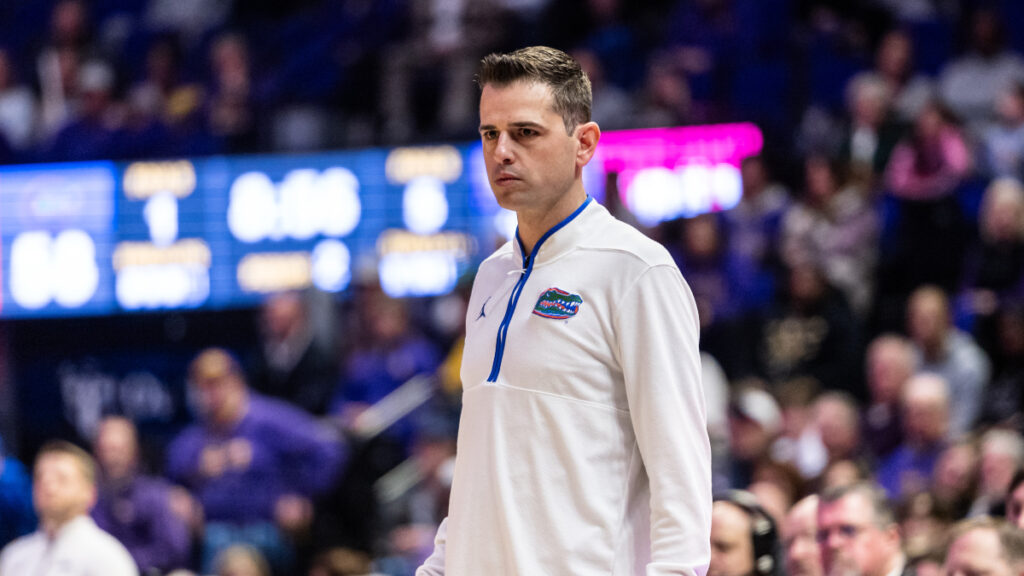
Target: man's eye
(528,132)
(490,134)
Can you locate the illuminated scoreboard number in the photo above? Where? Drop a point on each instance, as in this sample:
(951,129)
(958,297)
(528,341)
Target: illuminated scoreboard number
(292,221)
(56,226)
(163,258)
(426,256)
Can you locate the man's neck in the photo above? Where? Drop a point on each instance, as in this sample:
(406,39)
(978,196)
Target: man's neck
(52,526)
(532,226)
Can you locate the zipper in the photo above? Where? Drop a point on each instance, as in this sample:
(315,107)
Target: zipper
(517,290)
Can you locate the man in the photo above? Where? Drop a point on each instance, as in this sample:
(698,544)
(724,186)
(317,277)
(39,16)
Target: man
(950,352)
(292,364)
(799,533)
(1002,454)
(68,542)
(253,463)
(858,534)
(582,447)
(134,508)
(890,363)
(987,546)
(926,407)
(744,541)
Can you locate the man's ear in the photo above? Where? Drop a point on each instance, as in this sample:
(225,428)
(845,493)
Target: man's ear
(588,136)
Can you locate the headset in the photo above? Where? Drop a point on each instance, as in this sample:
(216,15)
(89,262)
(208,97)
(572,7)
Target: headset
(763,533)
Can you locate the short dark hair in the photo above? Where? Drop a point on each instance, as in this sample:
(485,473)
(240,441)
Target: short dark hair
(553,68)
(63,447)
(875,495)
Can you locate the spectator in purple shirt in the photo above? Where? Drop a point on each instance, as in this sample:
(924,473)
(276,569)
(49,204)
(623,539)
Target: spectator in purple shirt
(253,463)
(135,508)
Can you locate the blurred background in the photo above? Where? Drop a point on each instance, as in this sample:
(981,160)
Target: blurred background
(297,185)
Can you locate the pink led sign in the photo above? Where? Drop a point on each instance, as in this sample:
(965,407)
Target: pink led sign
(668,147)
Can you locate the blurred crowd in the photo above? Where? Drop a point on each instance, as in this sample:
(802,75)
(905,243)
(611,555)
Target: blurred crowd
(862,307)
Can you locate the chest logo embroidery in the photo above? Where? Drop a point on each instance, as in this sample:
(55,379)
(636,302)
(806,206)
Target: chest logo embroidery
(558,304)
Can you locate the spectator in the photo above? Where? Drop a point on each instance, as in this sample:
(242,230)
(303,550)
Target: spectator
(1002,145)
(843,473)
(832,228)
(926,408)
(17,107)
(665,99)
(1005,395)
(754,423)
(231,112)
(971,83)
(15,499)
(800,442)
(1015,499)
(894,65)
(744,541)
(253,463)
(410,516)
(857,532)
(64,489)
(92,132)
(890,362)
(799,539)
(754,225)
(994,269)
(925,171)
(809,332)
(134,508)
(292,363)
(872,132)
(69,44)
(836,416)
(388,353)
(924,522)
(717,280)
(1002,454)
(985,546)
(945,350)
(956,477)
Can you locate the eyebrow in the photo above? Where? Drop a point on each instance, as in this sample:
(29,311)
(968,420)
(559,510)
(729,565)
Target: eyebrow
(521,124)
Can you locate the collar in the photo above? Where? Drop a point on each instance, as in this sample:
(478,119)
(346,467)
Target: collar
(78,524)
(565,236)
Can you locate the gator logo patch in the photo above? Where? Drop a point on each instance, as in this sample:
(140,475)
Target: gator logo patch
(558,304)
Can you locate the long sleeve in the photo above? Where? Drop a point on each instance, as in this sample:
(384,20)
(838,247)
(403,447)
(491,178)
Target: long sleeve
(434,564)
(657,328)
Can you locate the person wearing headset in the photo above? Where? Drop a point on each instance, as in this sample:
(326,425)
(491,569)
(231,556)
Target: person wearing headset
(744,538)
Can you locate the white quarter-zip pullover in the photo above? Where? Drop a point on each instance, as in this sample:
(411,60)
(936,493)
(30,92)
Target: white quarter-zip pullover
(583,448)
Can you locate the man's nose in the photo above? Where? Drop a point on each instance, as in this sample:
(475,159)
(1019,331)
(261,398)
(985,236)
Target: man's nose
(503,152)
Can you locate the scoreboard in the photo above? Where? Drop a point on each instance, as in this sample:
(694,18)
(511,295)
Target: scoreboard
(104,238)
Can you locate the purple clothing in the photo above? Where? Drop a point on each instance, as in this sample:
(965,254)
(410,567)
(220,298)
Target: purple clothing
(238,476)
(139,515)
(908,470)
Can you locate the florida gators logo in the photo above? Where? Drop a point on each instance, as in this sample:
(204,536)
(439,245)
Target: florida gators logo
(558,304)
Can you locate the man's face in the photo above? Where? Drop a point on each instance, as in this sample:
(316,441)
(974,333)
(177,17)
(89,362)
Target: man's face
(850,541)
(218,398)
(116,449)
(60,489)
(799,531)
(732,552)
(531,161)
(977,553)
